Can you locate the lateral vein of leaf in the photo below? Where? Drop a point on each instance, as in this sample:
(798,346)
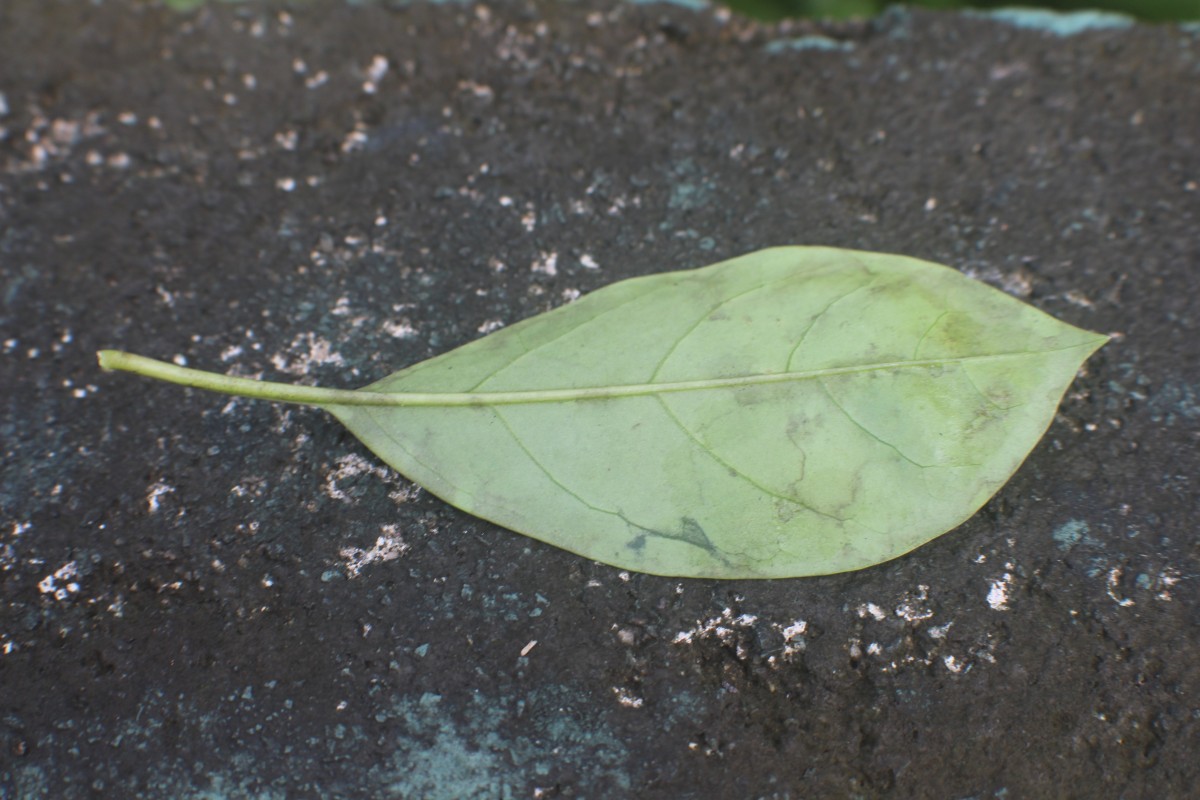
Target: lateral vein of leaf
(866,430)
(711,453)
(708,312)
(572,330)
(317,396)
(544,469)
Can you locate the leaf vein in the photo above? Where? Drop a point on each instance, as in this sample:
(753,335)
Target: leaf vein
(544,469)
(711,453)
(568,331)
(700,320)
(921,342)
(867,430)
(817,318)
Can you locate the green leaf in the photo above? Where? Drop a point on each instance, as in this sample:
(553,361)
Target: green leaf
(796,411)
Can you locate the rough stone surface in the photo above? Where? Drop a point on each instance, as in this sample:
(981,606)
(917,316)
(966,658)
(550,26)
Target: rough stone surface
(214,599)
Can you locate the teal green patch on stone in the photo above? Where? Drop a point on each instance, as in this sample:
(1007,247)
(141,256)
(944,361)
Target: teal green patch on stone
(442,751)
(814,42)
(1071,533)
(1174,403)
(695,5)
(31,782)
(437,759)
(691,188)
(685,708)
(1069,23)
(225,787)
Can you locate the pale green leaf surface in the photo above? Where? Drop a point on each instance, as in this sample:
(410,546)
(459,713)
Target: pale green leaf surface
(851,406)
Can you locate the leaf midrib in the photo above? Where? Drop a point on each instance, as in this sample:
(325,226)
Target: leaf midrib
(317,396)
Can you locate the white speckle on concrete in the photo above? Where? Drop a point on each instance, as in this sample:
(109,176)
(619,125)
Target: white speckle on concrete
(953,664)
(406,492)
(940,631)
(61,583)
(529,220)
(912,608)
(587,262)
(155,494)
(1078,298)
(489,325)
(1114,583)
(722,627)
(872,610)
(355,140)
(627,698)
(793,637)
(528,648)
(388,547)
(1167,578)
(478,90)
(400,330)
(348,467)
(318,352)
(375,73)
(997,596)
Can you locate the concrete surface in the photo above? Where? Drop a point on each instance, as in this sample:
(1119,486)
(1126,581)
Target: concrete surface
(212,599)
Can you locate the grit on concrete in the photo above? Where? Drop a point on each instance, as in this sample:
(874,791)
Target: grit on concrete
(205,598)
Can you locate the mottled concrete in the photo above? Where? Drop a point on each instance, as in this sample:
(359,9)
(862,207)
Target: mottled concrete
(214,599)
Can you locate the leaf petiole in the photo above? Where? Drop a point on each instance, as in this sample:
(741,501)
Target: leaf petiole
(229,384)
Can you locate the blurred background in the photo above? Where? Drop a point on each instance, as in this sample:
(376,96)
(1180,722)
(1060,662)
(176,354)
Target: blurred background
(1149,10)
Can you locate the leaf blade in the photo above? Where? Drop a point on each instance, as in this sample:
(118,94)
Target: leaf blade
(776,477)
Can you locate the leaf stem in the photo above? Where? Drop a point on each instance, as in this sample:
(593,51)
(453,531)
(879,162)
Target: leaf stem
(317,396)
(229,384)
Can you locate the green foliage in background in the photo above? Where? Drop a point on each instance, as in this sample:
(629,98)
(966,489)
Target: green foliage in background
(1151,10)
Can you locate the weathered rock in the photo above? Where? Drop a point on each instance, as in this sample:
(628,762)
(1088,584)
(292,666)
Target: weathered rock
(204,598)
